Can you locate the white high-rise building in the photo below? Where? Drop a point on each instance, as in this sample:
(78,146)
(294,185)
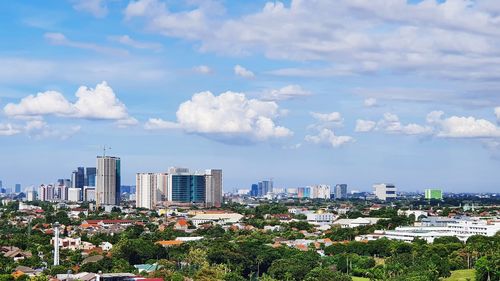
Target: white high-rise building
(320,191)
(88,194)
(31,195)
(385,191)
(108,181)
(46,192)
(213,188)
(151,188)
(74,194)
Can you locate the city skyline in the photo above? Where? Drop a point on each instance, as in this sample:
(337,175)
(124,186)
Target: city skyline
(344,92)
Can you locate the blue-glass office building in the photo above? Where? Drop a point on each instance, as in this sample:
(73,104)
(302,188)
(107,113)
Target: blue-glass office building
(188,188)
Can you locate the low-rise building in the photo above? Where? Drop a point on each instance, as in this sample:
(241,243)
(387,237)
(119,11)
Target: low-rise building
(216,218)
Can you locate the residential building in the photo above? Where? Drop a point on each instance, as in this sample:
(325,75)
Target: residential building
(151,188)
(31,195)
(340,191)
(385,191)
(321,191)
(433,194)
(88,194)
(304,192)
(213,188)
(74,194)
(108,180)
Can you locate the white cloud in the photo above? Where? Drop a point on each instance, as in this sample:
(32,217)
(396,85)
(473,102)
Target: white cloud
(497,113)
(203,69)
(39,129)
(391,124)
(462,127)
(328,137)
(97,8)
(327,117)
(228,117)
(365,125)
(8,130)
(160,124)
(128,41)
(370,102)
(98,103)
(286,93)
(243,72)
(60,39)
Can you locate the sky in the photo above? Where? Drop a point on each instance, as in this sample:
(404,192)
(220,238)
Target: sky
(303,92)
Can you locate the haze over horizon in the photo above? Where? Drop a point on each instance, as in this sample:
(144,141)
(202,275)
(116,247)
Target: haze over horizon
(304,92)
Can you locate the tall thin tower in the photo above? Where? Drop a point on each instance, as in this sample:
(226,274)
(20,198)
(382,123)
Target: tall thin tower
(56,243)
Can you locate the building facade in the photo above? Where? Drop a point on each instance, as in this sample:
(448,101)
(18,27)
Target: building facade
(433,194)
(385,191)
(213,188)
(108,180)
(340,191)
(151,188)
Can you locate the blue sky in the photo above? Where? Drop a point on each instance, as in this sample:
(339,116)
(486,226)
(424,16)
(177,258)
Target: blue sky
(305,92)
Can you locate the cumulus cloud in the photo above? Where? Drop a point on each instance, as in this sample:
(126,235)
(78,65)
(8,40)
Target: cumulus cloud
(203,69)
(128,41)
(370,102)
(228,117)
(243,72)
(462,127)
(327,117)
(39,129)
(327,137)
(92,103)
(97,8)
(497,113)
(286,93)
(391,124)
(365,125)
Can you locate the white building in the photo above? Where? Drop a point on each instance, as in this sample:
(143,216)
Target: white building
(151,188)
(88,194)
(74,194)
(350,223)
(320,217)
(416,213)
(385,191)
(320,191)
(218,218)
(463,229)
(31,195)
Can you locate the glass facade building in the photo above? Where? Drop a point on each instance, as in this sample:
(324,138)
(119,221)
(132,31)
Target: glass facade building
(188,188)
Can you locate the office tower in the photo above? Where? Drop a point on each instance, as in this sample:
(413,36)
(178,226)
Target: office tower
(385,191)
(108,181)
(90,173)
(74,194)
(265,187)
(340,191)
(433,194)
(213,188)
(254,190)
(185,187)
(321,191)
(18,188)
(78,178)
(89,194)
(151,188)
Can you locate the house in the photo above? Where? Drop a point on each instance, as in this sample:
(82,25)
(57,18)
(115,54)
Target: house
(147,268)
(169,243)
(14,253)
(181,225)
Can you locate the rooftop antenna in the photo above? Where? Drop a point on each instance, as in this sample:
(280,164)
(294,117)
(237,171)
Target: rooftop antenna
(104,148)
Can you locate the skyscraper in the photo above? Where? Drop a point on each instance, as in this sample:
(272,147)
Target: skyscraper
(18,188)
(340,191)
(151,188)
(254,191)
(265,187)
(213,188)
(90,173)
(78,178)
(185,187)
(108,180)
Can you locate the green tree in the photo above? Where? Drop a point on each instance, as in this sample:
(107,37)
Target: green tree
(326,274)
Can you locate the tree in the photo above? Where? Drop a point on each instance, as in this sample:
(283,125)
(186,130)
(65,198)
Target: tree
(488,268)
(326,274)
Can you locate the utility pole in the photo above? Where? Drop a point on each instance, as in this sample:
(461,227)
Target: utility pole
(56,243)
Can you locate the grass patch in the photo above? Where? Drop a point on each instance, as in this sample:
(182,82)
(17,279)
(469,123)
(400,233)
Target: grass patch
(354,278)
(461,275)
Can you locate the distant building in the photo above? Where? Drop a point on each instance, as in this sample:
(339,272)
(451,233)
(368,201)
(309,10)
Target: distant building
(78,178)
(185,187)
(108,180)
(385,191)
(321,191)
(304,192)
(90,175)
(74,194)
(265,187)
(254,191)
(151,188)
(31,195)
(433,194)
(88,194)
(340,191)
(213,188)
(18,188)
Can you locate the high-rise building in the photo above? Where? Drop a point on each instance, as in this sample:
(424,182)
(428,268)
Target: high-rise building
(151,188)
(90,174)
(254,190)
(89,194)
(213,188)
(304,192)
(78,178)
(385,191)
(265,187)
(62,192)
(18,188)
(46,192)
(185,187)
(340,191)
(31,195)
(321,191)
(108,180)
(74,194)
(434,194)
